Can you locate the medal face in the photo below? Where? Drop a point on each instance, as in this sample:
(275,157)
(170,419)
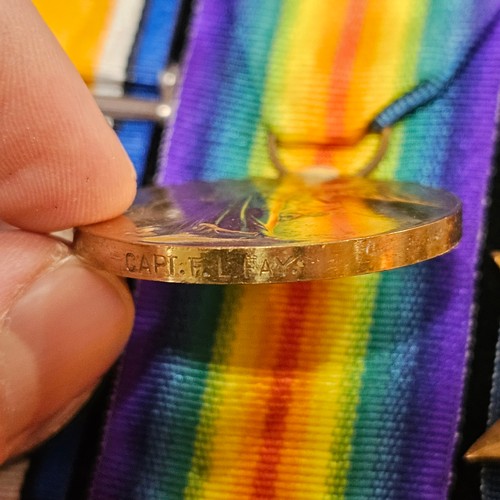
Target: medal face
(273,230)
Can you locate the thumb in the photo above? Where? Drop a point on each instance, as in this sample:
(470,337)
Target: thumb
(62,325)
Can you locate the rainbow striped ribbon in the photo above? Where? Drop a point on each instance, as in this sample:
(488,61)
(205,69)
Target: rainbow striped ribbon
(98,36)
(113,44)
(342,389)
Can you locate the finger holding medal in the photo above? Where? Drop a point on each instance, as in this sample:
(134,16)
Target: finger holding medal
(62,324)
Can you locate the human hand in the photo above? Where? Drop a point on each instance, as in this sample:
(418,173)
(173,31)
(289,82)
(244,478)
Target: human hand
(61,324)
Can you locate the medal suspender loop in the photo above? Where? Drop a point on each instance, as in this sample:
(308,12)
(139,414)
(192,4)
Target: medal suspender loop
(273,145)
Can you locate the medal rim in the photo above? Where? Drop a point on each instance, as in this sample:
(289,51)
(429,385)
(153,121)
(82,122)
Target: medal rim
(312,261)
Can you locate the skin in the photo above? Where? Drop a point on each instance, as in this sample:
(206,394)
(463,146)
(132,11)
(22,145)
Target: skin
(62,324)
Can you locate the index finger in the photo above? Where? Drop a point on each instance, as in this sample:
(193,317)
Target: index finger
(61,164)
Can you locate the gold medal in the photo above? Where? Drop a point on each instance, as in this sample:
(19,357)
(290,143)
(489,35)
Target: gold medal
(487,447)
(299,227)
(259,230)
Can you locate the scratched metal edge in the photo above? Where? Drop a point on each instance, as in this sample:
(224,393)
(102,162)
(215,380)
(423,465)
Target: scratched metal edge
(273,264)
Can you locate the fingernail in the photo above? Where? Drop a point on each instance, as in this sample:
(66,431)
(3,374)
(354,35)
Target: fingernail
(61,336)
